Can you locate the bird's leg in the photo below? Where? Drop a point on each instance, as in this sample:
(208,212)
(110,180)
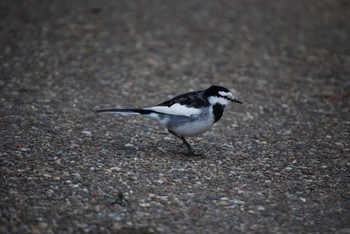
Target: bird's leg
(183,140)
(187,144)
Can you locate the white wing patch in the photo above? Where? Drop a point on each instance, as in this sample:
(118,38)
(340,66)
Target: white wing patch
(176,109)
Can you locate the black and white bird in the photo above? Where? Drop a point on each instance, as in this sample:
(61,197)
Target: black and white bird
(188,114)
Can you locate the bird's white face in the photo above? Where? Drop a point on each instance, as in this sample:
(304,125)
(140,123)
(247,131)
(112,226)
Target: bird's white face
(223,98)
(227,95)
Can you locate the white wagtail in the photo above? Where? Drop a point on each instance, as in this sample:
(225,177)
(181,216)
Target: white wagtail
(188,114)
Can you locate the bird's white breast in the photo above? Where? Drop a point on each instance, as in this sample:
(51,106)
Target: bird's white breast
(193,126)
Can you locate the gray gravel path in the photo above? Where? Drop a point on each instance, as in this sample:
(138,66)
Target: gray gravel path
(277,164)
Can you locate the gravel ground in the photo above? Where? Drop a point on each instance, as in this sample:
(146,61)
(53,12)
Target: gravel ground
(277,164)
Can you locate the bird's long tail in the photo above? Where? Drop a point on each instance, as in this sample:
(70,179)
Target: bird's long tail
(126,111)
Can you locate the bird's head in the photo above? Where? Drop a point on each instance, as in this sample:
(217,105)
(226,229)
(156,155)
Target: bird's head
(220,95)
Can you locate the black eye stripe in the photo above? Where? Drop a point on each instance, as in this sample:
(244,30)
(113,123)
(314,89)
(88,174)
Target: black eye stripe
(224,97)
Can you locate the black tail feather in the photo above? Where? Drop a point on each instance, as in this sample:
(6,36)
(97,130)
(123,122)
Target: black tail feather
(139,111)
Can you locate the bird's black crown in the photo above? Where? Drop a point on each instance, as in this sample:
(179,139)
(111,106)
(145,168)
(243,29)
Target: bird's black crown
(214,90)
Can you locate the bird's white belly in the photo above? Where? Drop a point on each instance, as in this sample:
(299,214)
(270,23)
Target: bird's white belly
(187,126)
(193,128)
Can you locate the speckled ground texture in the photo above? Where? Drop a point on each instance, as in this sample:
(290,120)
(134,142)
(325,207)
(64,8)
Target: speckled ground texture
(279,163)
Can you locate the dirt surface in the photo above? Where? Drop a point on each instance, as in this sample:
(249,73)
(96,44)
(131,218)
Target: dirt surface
(279,163)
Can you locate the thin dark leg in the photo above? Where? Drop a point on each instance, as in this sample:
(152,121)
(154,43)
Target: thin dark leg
(183,140)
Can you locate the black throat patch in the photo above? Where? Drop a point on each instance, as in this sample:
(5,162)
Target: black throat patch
(218,110)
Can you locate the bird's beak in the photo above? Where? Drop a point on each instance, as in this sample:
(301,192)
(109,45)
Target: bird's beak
(233,99)
(236,101)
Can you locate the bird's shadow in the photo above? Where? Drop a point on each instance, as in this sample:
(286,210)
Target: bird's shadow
(179,151)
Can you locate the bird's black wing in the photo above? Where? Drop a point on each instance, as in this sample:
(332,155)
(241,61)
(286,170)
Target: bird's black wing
(193,99)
